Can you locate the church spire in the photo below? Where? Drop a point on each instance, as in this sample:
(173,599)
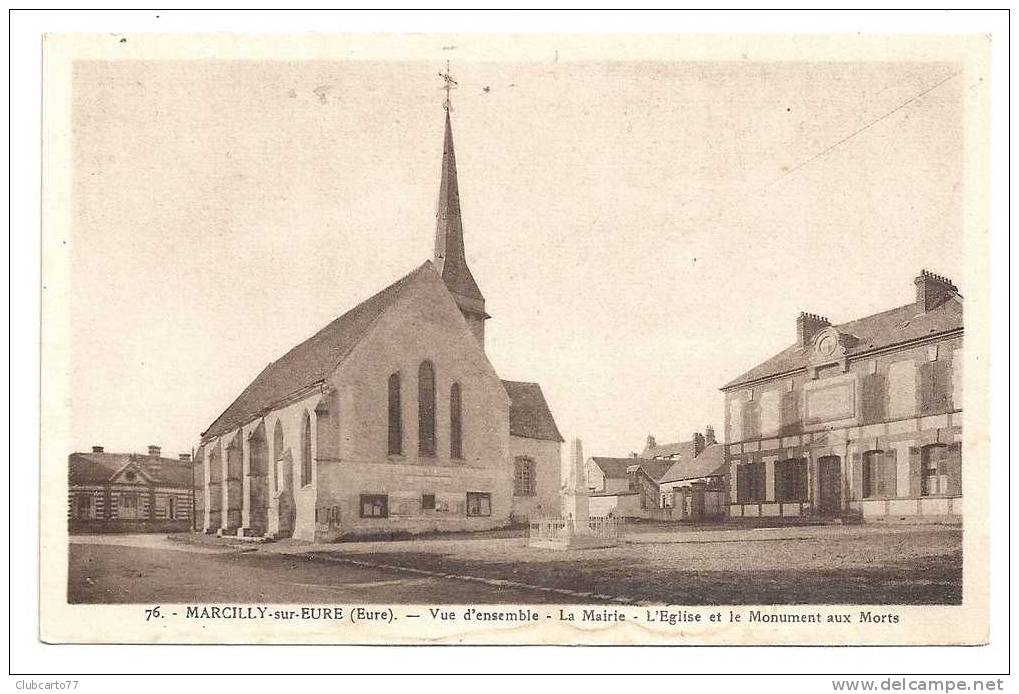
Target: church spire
(450,259)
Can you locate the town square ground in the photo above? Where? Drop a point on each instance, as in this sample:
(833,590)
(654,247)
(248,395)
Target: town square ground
(658,564)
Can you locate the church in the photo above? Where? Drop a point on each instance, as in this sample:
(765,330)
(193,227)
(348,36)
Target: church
(390,419)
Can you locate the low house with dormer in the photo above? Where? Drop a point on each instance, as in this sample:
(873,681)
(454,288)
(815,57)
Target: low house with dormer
(129,492)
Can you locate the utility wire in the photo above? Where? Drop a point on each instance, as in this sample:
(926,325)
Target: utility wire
(865,127)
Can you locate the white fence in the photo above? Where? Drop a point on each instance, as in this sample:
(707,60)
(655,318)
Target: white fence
(561,531)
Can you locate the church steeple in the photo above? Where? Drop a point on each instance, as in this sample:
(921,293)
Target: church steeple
(450,259)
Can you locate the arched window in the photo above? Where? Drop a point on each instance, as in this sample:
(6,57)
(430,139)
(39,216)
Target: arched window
(277,454)
(426,409)
(455,423)
(306,450)
(395,416)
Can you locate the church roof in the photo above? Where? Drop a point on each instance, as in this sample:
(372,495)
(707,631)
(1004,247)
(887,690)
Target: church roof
(873,332)
(710,463)
(100,468)
(311,361)
(450,258)
(530,417)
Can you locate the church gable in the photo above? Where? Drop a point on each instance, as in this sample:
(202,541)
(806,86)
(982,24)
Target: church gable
(422,343)
(311,361)
(424,319)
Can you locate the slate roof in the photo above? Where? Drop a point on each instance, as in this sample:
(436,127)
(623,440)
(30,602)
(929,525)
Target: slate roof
(530,417)
(311,361)
(616,468)
(710,463)
(885,329)
(99,468)
(449,235)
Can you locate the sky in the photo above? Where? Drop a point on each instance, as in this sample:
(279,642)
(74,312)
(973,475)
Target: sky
(643,232)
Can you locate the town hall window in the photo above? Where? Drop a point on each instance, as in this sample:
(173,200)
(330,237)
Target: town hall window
(479,504)
(395,416)
(374,506)
(750,483)
(426,409)
(933,470)
(523,477)
(306,451)
(791,480)
(455,423)
(879,474)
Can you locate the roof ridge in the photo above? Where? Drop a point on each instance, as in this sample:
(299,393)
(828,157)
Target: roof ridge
(394,290)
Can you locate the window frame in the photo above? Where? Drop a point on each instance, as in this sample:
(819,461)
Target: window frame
(933,457)
(872,473)
(394,424)
(456,422)
(307,473)
(372,498)
(479,497)
(426,507)
(529,467)
(757,491)
(427,435)
(791,483)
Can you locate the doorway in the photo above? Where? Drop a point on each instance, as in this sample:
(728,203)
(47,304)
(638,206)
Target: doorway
(829,485)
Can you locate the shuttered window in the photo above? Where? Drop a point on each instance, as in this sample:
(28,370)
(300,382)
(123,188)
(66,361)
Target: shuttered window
(791,480)
(935,387)
(750,483)
(873,393)
(940,470)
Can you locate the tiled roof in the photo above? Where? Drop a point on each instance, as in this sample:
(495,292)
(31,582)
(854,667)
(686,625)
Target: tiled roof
(99,468)
(530,417)
(311,361)
(616,468)
(885,329)
(710,463)
(667,450)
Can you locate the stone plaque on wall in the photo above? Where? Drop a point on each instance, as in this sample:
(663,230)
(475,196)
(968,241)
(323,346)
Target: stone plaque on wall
(832,401)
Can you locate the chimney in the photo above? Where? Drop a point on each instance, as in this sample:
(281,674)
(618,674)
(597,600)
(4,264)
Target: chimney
(932,290)
(185,457)
(651,443)
(155,451)
(698,443)
(97,449)
(709,436)
(808,325)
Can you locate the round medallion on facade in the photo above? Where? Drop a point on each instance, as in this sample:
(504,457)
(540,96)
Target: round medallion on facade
(827,343)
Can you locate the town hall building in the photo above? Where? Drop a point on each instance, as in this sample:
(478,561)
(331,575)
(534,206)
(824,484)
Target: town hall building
(389,419)
(861,419)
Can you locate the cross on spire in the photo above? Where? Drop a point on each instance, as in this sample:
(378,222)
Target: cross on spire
(449,85)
